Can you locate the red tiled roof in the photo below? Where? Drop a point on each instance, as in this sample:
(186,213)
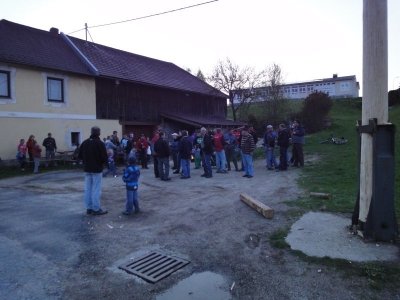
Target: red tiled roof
(115,63)
(25,45)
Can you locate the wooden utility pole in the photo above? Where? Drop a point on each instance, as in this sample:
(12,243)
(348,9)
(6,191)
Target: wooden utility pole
(375,86)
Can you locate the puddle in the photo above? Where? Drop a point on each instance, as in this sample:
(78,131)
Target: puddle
(200,286)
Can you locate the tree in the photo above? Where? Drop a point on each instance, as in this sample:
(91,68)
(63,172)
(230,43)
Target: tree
(228,76)
(200,75)
(315,110)
(275,106)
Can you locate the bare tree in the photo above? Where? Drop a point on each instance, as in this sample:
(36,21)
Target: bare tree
(200,75)
(275,105)
(229,77)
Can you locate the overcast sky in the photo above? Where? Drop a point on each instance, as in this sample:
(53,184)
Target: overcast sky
(309,39)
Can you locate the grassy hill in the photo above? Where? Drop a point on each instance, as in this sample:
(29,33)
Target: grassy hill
(335,169)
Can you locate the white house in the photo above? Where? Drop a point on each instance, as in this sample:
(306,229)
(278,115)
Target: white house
(335,87)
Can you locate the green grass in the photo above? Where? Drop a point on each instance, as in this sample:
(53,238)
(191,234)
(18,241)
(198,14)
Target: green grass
(14,171)
(335,170)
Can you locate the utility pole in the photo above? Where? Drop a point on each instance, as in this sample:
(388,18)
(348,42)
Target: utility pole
(376,190)
(86,31)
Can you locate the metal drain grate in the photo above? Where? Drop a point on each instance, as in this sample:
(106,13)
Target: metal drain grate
(154,266)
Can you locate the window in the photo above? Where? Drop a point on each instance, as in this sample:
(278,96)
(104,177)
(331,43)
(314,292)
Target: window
(55,89)
(75,138)
(5,87)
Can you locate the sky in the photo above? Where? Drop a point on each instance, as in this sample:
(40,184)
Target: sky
(308,39)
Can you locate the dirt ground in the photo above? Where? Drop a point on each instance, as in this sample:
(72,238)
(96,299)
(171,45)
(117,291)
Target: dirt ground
(50,248)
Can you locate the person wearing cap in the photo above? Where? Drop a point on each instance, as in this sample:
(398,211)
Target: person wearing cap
(131,179)
(94,155)
(269,144)
(247,146)
(175,152)
(185,153)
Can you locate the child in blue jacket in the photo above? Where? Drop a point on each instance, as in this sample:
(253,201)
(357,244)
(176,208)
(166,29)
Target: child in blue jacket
(131,179)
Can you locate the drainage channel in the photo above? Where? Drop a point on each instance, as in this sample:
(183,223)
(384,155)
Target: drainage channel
(154,266)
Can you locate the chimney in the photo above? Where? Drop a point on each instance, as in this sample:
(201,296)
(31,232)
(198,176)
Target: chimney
(334,76)
(54,31)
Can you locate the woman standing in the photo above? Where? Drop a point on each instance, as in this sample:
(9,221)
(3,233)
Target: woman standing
(37,154)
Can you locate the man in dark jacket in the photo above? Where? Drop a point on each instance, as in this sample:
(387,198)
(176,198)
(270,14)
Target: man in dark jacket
(94,155)
(206,152)
(298,142)
(247,145)
(50,145)
(283,143)
(161,149)
(185,153)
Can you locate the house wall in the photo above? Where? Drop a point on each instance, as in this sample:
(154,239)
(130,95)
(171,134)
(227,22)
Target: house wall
(28,111)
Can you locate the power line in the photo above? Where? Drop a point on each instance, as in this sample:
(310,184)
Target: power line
(148,16)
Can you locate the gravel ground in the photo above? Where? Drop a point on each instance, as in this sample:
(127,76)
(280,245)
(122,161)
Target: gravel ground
(50,249)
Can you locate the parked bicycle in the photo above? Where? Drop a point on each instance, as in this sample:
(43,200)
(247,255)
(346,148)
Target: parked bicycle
(334,140)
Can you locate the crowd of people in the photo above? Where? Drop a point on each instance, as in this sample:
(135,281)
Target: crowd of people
(222,149)
(34,152)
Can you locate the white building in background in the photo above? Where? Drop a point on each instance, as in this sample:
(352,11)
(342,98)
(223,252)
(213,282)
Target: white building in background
(335,87)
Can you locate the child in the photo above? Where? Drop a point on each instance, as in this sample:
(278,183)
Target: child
(111,164)
(21,154)
(131,179)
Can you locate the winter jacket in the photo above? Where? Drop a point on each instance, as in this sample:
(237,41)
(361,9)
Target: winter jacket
(185,148)
(247,144)
(161,148)
(50,144)
(131,177)
(269,139)
(283,138)
(207,145)
(298,135)
(37,151)
(93,154)
(219,142)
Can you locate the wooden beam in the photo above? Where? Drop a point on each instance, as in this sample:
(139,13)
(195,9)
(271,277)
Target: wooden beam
(263,209)
(321,195)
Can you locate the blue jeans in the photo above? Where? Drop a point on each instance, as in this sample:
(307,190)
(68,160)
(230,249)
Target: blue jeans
(271,159)
(131,200)
(248,164)
(163,167)
(283,158)
(185,165)
(221,160)
(207,164)
(93,190)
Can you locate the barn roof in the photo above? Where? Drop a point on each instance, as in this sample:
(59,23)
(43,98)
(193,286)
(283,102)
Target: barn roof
(20,44)
(115,63)
(29,46)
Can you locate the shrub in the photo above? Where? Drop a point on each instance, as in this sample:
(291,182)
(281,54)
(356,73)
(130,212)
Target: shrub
(394,97)
(315,111)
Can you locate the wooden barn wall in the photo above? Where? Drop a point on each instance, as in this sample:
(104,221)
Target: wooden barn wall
(135,102)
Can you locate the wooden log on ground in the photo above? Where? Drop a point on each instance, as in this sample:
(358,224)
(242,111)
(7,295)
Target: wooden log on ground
(321,195)
(263,209)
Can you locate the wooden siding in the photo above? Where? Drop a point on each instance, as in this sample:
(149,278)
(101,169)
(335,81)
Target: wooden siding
(130,102)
